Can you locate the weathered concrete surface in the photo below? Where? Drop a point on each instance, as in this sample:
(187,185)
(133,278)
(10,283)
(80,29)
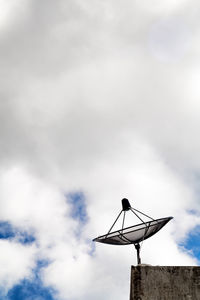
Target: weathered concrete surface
(165,283)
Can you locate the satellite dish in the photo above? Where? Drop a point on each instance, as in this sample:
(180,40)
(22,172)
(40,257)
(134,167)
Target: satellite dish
(134,234)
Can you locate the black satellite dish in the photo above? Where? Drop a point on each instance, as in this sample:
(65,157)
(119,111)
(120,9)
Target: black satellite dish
(133,234)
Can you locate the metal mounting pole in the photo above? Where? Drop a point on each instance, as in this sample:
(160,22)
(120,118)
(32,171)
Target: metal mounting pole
(137,247)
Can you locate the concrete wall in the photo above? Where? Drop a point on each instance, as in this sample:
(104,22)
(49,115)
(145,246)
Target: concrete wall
(165,283)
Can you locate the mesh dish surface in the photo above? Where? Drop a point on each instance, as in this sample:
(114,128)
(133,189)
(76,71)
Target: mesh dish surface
(134,234)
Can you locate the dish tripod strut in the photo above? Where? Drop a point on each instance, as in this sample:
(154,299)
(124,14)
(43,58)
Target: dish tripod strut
(125,207)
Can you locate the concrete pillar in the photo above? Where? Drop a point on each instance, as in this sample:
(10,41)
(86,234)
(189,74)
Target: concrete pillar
(165,283)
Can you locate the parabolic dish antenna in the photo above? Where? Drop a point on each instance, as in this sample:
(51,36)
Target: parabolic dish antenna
(134,234)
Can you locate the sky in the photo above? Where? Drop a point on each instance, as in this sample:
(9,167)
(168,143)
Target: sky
(99,101)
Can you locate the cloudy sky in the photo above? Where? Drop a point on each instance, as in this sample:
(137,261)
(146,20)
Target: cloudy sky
(99,100)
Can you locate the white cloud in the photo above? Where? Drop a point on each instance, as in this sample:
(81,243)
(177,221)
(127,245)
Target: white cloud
(16,263)
(12,13)
(86,106)
(170,39)
(166,7)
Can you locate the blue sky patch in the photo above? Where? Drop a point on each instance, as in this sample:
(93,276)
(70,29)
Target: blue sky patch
(32,289)
(28,290)
(192,242)
(7,231)
(26,238)
(78,207)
